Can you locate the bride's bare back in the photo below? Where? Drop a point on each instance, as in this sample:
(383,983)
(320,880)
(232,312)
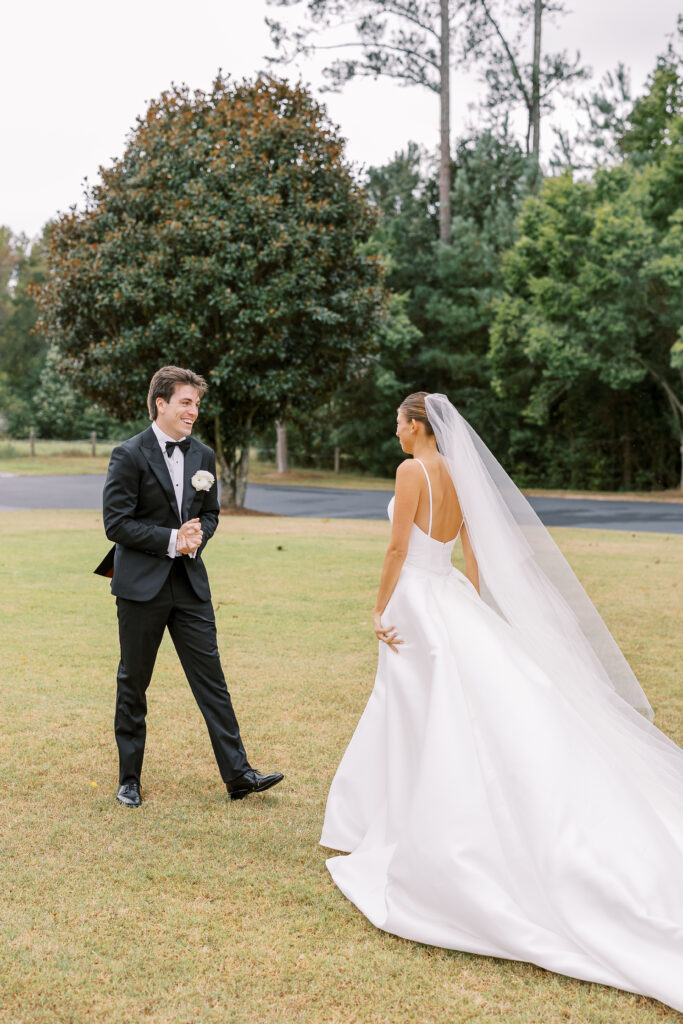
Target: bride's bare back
(446,512)
(411,507)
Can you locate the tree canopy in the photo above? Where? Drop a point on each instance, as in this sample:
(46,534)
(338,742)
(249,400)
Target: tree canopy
(552,320)
(594,289)
(230,237)
(22,348)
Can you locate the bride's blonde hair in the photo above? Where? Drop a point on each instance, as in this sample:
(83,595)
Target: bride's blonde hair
(413,408)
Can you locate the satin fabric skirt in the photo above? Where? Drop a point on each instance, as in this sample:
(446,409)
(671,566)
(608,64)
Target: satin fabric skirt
(486,811)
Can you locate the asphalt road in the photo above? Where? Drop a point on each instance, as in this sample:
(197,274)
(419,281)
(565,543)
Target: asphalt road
(85,492)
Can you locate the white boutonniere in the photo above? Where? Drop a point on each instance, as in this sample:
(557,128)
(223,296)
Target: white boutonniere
(202,480)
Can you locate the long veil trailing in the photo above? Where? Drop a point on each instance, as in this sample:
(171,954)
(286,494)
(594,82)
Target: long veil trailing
(524,577)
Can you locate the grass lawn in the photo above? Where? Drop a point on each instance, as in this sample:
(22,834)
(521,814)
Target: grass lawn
(62,458)
(194,910)
(266,473)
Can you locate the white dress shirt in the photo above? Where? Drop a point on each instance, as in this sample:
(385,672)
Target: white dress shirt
(176,468)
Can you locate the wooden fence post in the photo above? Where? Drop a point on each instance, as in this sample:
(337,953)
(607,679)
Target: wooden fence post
(32,442)
(336,458)
(93,442)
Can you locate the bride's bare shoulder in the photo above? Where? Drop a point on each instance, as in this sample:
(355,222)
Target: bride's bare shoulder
(407,469)
(408,476)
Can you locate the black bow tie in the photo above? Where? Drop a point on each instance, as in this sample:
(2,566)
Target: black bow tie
(183,445)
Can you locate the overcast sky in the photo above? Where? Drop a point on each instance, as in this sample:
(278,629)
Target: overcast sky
(76,73)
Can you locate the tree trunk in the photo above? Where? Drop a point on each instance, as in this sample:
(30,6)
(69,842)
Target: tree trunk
(535,112)
(281,454)
(626,463)
(233,468)
(445,109)
(676,408)
(625,440)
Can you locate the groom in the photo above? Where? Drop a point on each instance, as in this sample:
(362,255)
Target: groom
(161,508)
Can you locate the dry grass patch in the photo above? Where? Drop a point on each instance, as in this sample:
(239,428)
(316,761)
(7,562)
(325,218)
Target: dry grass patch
(201,911)
(266,473)
(55,465)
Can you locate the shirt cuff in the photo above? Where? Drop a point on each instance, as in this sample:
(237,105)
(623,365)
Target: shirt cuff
(172,540)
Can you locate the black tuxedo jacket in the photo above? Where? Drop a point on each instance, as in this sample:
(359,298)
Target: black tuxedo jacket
(140,510)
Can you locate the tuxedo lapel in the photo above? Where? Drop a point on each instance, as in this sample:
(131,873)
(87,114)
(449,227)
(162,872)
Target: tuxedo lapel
(193,462)
(157,463)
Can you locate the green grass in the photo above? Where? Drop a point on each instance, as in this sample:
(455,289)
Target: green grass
(194,910)
(54,457)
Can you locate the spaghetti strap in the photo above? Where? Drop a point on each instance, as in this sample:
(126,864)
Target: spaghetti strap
(429,531)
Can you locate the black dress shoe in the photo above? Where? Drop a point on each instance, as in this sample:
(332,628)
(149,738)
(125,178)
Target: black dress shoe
(129,794)
(251,782)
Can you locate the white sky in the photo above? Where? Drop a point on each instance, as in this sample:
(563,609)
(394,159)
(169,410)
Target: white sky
(74,74)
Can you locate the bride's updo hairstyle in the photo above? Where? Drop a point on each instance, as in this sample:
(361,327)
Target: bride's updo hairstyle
(413,408)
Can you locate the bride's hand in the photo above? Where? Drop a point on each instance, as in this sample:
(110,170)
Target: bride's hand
(388,636)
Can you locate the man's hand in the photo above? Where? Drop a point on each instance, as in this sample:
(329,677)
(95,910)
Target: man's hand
(190,536)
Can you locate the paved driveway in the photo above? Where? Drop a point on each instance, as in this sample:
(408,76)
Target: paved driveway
(66,492)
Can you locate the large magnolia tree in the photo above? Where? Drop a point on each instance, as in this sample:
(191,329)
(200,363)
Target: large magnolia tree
(229,238)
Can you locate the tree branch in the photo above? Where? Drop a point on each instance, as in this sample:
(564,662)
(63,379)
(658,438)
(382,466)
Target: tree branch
(392,9)
(404,76)
(674,400)
(379,46)
(513,63)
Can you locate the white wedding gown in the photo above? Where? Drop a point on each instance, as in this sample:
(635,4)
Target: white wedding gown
(485,810)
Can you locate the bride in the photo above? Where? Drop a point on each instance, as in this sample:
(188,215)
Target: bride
(505,792)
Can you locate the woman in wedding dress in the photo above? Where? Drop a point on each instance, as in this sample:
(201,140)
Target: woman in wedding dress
(505,792)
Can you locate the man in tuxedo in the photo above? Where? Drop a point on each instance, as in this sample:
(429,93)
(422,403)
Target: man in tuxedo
(161,508)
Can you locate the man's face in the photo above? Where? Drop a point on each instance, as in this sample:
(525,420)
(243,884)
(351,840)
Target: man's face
(176,417)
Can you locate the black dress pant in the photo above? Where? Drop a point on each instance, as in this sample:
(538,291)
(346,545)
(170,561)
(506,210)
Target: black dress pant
(192,626)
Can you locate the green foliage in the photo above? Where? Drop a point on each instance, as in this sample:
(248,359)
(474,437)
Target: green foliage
(605,111)
(364,411)
(593,304)
(32,393)
(450,289)
(22,348)
(228,238)
(587,338)
(58,411)
(15,412)
(614,126)
(7,263)
(647,136)
(436,334)
(453,293)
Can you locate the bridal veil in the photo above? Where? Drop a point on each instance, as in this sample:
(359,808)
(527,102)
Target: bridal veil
(523,575)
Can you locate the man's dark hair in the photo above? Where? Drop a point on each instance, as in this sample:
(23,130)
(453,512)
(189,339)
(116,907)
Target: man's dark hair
(166,380)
